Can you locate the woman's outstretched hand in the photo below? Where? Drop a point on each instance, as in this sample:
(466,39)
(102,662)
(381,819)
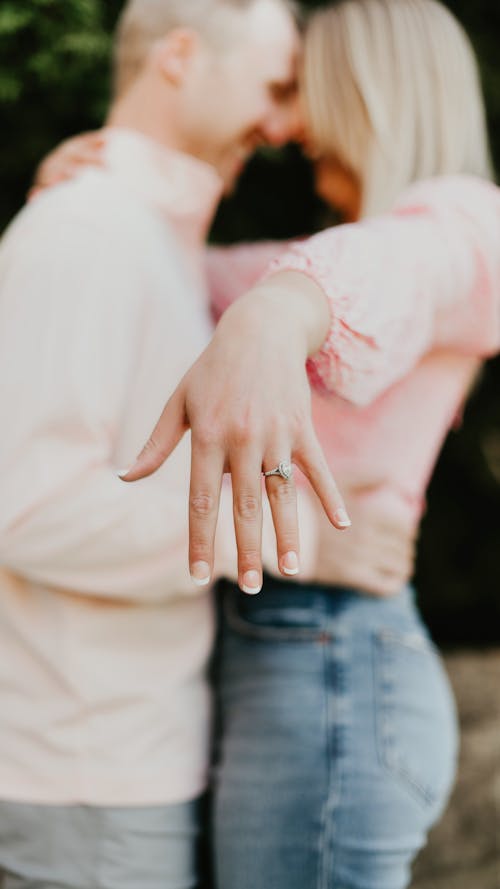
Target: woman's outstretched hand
(247,403)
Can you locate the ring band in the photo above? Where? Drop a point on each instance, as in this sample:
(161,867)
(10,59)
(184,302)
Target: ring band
(284,469)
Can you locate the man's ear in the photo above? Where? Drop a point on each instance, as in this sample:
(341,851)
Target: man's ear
(175,54)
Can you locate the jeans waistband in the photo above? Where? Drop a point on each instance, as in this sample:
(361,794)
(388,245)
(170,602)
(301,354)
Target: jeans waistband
(322,599)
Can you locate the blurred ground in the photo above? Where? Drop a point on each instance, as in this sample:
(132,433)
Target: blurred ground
(464,849)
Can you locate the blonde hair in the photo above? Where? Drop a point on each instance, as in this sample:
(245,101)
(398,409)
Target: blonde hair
(392,89)
(144,22)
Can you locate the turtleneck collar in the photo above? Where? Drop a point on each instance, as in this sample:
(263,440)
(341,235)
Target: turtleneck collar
(181,187)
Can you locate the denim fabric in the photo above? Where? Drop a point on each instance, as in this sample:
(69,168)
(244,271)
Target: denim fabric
(336,740)
(89,847)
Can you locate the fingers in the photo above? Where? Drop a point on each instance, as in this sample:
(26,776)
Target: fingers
(86,150)
(58,171)
(95,139)
(87,157)
(164,439)
(66,161)
(282,497)
(246,475)
(207,468)
(311,460)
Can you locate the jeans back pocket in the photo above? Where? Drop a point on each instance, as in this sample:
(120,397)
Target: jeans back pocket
(416,723)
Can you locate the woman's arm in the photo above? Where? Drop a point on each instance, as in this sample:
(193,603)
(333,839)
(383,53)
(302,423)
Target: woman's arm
(427,276)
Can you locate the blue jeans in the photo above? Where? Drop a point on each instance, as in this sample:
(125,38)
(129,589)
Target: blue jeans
(337,739)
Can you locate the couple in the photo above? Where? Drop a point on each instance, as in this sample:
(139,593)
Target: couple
(335,728)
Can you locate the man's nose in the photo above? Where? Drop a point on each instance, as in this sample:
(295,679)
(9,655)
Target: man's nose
(284,125)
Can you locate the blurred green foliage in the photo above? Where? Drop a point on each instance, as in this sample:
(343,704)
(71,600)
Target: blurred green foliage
(55,81)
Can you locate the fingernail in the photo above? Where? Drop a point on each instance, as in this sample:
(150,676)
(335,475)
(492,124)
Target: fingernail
(252,583)
(342,519)
(290,563)
(123,472)
(200,573)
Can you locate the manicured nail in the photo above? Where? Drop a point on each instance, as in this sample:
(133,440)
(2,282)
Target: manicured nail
(252,583)
(290,563)
(200,573)
(123,472)
(342,519)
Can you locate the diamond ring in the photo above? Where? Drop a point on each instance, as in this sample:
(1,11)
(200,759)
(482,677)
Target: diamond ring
(284,470)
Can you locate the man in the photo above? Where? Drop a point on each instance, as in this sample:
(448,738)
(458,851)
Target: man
(103,636)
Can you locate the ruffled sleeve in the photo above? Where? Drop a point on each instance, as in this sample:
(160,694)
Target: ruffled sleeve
(424,277)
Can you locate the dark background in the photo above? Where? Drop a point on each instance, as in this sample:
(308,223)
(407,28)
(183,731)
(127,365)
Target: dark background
(54,81)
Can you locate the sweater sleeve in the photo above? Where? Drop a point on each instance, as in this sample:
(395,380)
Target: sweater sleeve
(424,277)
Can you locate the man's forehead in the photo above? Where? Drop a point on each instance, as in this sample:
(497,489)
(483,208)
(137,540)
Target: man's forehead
(273,42)
(270,25)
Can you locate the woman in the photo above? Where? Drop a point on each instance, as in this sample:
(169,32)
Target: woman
(337,739)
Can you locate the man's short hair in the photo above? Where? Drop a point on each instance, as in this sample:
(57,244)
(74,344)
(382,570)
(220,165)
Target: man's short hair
(143,22)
